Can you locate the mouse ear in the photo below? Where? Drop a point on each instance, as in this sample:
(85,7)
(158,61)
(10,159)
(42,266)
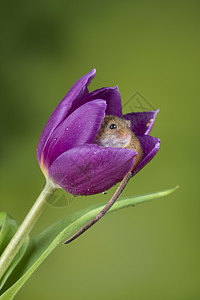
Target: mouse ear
(128,122)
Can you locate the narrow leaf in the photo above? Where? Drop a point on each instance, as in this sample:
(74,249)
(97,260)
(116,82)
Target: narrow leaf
(8,228)
(42,245)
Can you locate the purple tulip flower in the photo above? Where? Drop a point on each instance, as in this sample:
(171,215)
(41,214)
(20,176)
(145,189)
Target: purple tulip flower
(66,152)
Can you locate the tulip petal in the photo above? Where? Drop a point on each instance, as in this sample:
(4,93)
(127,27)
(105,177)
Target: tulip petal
(142,122)
(80,89)
(110,94)
(112,97)
(80,127)
(150,146)
(90,169)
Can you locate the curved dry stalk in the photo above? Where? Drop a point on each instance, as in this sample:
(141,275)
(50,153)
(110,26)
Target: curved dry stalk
(104,210)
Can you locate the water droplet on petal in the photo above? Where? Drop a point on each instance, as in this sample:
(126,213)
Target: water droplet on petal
(105,192)
(95,153)
(66,128)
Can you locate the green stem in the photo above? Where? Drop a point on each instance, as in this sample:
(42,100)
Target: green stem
(26,227)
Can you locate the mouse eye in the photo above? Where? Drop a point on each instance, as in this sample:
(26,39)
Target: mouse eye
(113,126)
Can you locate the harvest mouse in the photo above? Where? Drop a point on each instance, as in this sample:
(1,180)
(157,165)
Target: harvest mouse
(115,132)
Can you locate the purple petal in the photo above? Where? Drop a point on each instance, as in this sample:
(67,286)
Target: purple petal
(150,146)
(142,122)
(77,129)
(112,97)
(90,169)
(80,89)
(110,94)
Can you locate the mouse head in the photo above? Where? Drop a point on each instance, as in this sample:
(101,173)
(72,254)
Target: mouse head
(114,132)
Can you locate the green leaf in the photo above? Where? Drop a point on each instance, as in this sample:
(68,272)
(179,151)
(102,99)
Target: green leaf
(8,228)
(42,245)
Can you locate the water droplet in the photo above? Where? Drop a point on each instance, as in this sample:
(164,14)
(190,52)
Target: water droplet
(95,153)
(66,128)
(79,126)
(104,193)
(55,140)
(88,190)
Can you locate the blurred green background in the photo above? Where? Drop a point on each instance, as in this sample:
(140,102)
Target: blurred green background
(151,47)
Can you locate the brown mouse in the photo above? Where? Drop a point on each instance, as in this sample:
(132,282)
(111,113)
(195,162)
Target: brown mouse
(115,132)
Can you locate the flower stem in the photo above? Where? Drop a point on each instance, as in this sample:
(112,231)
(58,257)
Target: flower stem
(26,227)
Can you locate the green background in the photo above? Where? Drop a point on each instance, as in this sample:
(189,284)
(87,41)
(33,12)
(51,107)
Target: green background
(147,252)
